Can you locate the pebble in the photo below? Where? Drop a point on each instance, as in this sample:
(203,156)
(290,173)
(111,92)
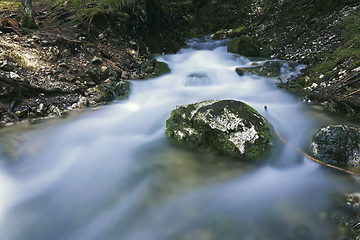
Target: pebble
(96,60)
(14,76)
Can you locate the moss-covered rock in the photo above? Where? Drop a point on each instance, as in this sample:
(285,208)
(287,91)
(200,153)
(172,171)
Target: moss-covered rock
(231,33)
(155,68)
(337,145)
(245,46)
(230,126)
(269,69)
(107,92)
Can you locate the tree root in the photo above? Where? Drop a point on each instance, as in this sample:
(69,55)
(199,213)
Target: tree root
(23,90)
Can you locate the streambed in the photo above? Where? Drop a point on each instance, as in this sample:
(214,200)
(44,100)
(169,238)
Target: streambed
(113,174)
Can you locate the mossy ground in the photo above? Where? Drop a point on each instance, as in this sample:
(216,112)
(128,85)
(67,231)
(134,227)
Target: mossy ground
(10,5)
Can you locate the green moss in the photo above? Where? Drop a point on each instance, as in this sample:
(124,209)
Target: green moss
(89,45)
(231,33)
(161,68)
(114,91)
(10,5)
(28,22)
(245,46)
(193,130)
(154,68)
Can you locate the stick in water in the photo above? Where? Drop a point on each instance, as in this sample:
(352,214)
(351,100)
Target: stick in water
(307,155)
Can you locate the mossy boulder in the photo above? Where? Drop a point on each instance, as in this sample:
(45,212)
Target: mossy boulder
(108,92)
(337,145)
(154,68)
(232,127)
(245,46)
(269,69)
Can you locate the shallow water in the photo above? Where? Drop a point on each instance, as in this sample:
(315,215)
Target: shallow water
(113,174)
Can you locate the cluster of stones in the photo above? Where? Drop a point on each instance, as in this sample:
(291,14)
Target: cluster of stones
(69,65)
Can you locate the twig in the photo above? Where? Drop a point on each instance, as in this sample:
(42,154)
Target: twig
(342,81)
(352,93)
(309,157)
(11,110)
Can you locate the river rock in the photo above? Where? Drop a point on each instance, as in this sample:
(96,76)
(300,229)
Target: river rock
(154,68)
(230,126)
(108,92)
(15,76)
(96,61)
(337,145)
(269,69)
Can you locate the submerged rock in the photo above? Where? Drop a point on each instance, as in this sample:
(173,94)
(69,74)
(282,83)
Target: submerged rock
(338,145)
(245,46)
(230,126)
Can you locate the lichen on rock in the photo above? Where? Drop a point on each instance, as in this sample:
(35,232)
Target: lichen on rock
(338,145)
(230,126)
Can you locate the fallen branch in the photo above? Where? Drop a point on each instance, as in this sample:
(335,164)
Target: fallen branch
(352,93)
(308,156)
(342,81)
(27,86)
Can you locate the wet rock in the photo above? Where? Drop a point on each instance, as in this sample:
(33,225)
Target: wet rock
(15,76)
(155,68)
(337,145)
(345,212)
(114,75)
(96,61)
(269,69)
(105,72)
(230,126)
(244,46)
(108,92)
(82,103)
(56,111)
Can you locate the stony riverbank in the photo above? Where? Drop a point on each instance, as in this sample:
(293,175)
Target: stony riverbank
(73,53)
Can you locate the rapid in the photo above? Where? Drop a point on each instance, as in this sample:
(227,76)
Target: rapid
(112,173)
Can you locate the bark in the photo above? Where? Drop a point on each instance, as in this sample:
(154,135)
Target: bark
(28,20)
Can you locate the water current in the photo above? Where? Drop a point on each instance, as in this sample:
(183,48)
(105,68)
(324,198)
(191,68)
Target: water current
(112,173)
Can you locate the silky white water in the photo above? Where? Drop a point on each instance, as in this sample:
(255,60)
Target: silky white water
(113,174)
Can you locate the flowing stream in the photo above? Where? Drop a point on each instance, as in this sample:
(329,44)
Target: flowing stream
(113,174)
